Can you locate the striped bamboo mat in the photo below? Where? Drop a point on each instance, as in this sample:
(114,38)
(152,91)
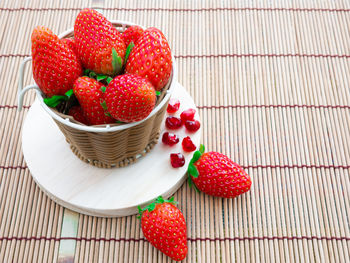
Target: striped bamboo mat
(271,80)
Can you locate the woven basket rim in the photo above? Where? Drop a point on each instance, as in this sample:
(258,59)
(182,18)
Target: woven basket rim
(108,128)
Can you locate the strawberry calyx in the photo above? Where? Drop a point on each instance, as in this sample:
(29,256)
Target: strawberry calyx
(152,206)
(192,170)
(105,79)
(57,99)
(128,51)
(116,62)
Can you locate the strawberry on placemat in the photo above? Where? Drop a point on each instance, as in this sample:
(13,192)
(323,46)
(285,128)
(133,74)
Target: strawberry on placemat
(151,58)
(164,226)
(100,45)
(89,93)
(215,174)
(130,98)
(55,65)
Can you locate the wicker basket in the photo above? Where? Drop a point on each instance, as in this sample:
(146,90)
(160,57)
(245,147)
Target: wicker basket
(114,145)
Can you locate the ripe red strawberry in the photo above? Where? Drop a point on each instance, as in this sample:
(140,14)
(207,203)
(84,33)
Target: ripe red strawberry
(130,98)
(132,34)
(100,45)
(71,43)
(215,174)
(77,113)
(90,96)
(151,58)
(55,65)
(164,226)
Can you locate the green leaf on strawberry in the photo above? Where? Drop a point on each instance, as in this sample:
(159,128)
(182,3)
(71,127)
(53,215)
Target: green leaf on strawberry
(192,170)
(57,99)
(86,72)
(191,184)
(54,100)
(202,148)
(116,62)
(128,51)
(158,93)
(101,77)
(109,79)
(104,105)
(69,93)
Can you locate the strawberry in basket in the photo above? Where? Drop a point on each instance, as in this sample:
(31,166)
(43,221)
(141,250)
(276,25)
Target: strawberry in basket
(130,98)
(132,34)
(100,45)
(151,58)
(55,65)
(77,113)
(89,93)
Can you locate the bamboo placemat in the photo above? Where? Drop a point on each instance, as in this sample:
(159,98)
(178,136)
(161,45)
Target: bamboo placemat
(271,80)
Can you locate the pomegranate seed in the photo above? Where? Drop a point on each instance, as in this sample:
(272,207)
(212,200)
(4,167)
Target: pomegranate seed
(188,115)
(170,138)
(177,160)
(173,123)
(192,125)
(173,105)
(188,145)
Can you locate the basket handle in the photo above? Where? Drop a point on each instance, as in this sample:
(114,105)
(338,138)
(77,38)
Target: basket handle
(21,90)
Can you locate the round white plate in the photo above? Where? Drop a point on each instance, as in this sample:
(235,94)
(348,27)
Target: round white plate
(97,191)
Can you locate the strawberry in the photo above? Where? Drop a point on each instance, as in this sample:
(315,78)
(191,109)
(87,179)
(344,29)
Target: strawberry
(151,58)
(164,226)
(100,45)
(77,113)
(215,174)
(130,98)
(132,34)
(55,65)
(71,43)
(90,96)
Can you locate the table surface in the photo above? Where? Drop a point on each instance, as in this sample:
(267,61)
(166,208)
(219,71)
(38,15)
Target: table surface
(271,81)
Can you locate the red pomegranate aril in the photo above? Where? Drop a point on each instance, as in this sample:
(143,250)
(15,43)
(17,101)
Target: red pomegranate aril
(188,115)
(170,138)
(173,123)
(177,160)
(173,105)
(188,145)
(192,125)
